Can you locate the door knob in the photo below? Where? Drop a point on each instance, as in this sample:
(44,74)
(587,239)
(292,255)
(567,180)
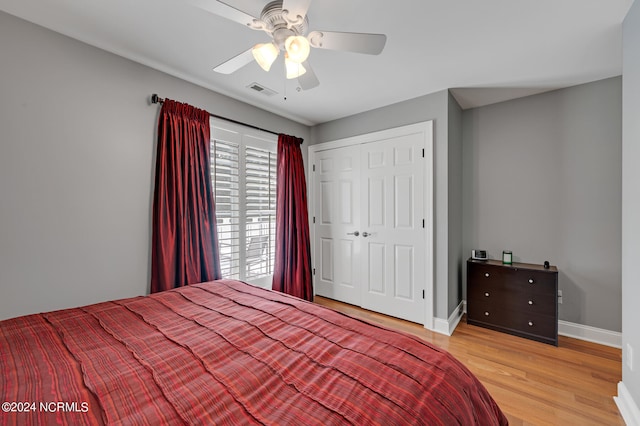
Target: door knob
(365,234)
(356,233)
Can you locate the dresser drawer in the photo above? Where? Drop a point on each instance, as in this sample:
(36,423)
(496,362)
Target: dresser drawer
(532,282)
(488,292)
(486,312)
(485,278)
(534,324)
(534,303)
(484,273)
(543,304)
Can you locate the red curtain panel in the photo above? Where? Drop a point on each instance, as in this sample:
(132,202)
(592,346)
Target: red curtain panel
(184,242)
(292,269)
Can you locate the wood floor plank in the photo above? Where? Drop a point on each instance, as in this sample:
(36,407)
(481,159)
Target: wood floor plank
(533,383)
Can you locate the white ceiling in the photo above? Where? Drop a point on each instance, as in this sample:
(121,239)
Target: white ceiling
(488,50)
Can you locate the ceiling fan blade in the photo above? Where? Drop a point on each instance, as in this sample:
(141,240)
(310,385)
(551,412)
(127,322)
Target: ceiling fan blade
(308,80)
(235,63)
(222,9)
(371,44)
(296,8)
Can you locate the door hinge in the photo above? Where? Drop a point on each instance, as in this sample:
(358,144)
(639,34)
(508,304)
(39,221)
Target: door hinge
(314,167)
(423,294)
(422,152)
(314,219)
(423,223)
(314,272)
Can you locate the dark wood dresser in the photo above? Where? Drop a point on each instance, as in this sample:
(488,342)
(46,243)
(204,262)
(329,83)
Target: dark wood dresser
(519,299)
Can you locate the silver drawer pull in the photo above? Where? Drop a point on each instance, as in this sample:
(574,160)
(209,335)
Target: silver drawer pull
(530,323)
(486,295)
(486,274)
(531,302)
(530,280)
(486,314)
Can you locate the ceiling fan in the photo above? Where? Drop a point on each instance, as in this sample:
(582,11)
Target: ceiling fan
(287,24)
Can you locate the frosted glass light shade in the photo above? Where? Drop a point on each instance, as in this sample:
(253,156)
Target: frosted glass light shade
(294,70)
(265,54)
(298,48)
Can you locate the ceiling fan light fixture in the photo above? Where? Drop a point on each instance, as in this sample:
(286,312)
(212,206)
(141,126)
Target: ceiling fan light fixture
(265,54)
(298,48)
(294,69)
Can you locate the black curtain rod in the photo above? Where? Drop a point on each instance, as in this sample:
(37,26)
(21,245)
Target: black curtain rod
(155,99)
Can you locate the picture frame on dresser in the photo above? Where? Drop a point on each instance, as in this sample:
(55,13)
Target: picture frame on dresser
(519,298)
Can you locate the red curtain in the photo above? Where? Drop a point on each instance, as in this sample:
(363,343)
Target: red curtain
(292,269)
(185,242)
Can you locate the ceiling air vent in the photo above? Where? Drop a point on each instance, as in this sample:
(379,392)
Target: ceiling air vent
(261,89)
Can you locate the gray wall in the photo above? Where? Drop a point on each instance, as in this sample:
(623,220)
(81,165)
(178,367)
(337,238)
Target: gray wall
(430,107)
(77,142)
(456,254)
(543,179)
(631,199)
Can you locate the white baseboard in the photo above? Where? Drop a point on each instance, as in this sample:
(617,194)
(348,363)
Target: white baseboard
(627,406)
(590,334)
(449,325)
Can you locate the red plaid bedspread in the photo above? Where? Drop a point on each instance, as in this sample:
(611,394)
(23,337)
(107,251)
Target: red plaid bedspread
(227,353)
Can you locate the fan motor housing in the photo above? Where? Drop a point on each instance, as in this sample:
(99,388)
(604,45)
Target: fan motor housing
(275,20)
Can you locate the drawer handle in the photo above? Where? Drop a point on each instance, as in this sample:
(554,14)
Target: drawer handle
(531,302)
(486,295)
(530,280)
(486,274)
(486,314)
(530,323)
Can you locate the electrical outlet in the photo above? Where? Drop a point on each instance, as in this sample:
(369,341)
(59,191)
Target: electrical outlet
(560,297)
(629,357)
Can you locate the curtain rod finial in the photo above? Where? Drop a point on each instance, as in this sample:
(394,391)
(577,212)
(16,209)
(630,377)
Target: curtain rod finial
(155,98)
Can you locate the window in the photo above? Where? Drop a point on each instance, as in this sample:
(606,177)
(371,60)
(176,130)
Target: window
(243,176)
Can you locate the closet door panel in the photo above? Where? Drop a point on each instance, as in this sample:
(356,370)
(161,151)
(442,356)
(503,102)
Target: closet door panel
(376,268)
(392,206)
(337,215)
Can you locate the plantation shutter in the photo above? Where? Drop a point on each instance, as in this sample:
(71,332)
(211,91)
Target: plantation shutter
(225,174)
(260,166)
(243,175)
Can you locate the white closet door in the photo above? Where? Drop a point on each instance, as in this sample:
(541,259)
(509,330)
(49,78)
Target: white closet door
(392,232)
(372,239)
(337,222)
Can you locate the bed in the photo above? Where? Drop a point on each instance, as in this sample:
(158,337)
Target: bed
(226,352)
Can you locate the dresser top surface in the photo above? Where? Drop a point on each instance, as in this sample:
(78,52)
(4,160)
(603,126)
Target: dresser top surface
(514,265)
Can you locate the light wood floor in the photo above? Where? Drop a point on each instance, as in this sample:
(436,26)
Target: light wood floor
(533,383)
